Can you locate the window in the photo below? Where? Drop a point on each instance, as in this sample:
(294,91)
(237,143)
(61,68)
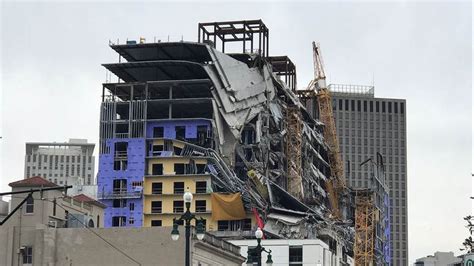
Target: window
(119,165)
(157,169)
(395,106)
(358,105)
(179,168)
(156,188)
(118,221)
(346,105)
(201,187)
(390,107)
(178,206)
(155,222)
(200,206)
(28,255)
(371,106)
(383,107)
(132,206)
(54,207)
(200,168)
(178,188)
(402,108)
(119,203)
(157,149)
(376,106)
(365,106)
(120,186)
(131,220)
(202,136)
(156,207)
(352,105)
(158,132)
(340,104)
(137,185)
(180,132)
(296,255)
(30,205)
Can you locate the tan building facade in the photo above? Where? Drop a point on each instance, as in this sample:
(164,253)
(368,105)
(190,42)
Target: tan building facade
(143,246)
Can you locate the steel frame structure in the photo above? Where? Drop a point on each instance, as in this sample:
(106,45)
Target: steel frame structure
(283,66)
(236,31)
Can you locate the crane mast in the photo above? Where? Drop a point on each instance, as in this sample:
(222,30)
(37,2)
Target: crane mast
(336,184)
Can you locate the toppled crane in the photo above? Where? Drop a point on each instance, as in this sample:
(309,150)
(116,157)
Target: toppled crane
(336,186)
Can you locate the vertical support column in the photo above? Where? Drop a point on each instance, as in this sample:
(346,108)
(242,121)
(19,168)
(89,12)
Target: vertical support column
(145,110)
(170,108)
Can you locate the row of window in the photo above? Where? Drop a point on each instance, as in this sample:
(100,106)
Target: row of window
(120,187)
(58,158)
(178,187)
(178,206)
(181,168)
(369,106)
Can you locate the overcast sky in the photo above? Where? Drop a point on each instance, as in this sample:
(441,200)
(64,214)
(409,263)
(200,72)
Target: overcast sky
(51,75)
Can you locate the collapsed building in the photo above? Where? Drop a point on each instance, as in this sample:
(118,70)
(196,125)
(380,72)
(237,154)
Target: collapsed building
(230,120)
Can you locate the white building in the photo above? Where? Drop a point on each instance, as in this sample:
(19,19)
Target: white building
(61,163)
(294,252)
(439,259)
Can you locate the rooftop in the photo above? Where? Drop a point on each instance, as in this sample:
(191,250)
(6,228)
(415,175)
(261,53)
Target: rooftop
(87,199)
(353,90)
(35,181)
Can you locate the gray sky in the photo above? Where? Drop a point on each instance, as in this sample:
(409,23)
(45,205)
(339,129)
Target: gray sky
(51,79)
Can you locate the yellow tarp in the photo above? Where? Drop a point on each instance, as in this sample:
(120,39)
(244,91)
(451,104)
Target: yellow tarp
(227,207)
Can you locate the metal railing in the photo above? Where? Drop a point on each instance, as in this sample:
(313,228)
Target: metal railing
(352,89)
(121,195)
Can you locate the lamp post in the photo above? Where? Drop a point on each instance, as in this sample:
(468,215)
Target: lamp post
(257,251)
(187,217)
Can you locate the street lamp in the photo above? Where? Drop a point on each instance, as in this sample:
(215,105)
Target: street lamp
(187,217)
(256,253)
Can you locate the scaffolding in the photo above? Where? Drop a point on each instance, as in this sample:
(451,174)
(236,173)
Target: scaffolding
(365,216)
(293,151)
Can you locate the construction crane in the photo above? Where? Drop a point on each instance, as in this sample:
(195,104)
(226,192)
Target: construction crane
(335,185)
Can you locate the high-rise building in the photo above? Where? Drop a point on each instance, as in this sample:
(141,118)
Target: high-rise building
(61,163)
(366,126)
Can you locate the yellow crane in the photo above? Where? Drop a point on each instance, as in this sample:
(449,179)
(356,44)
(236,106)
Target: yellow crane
(336,184)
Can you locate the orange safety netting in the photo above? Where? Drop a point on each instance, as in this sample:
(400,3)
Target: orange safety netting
(227,207)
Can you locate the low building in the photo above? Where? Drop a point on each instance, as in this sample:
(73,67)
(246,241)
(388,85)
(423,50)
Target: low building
(439,259)
(304,252)
(142,246)
(53,208)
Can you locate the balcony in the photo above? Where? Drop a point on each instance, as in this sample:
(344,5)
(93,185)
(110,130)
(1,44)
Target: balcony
(121,194)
